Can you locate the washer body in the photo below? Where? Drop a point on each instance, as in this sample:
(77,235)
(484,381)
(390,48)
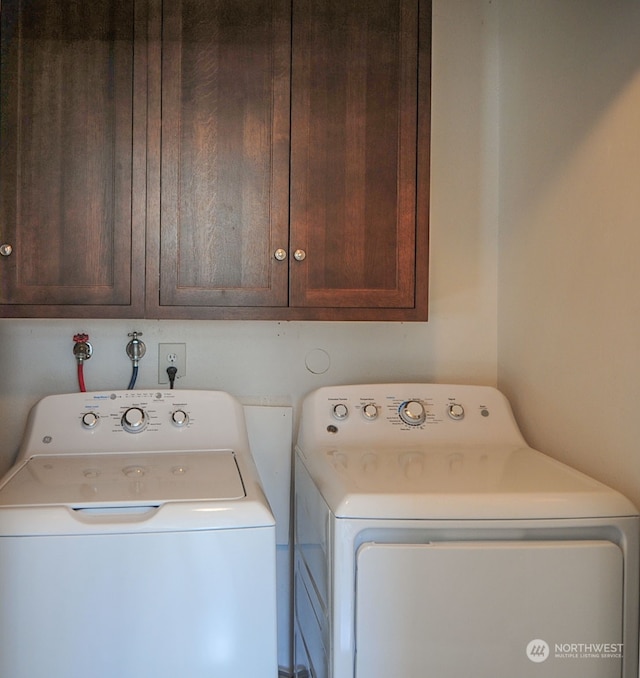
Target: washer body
(135,540)
(439,543)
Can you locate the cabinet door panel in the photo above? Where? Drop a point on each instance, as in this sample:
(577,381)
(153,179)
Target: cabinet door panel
(224,176)
(67,152)
(354,153)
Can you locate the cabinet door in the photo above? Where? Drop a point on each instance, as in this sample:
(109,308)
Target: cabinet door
(359,155)
(224,154)
(67,162)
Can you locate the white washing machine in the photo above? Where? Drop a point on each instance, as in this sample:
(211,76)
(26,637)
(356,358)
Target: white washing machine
(432,541)
(135,541)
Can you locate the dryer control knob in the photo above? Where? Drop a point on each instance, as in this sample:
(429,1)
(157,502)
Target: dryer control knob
(134,420)
(412,412)
(370,411)
(340,411)
(456,411)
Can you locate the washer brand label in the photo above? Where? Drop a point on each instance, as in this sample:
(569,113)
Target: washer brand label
(538,650)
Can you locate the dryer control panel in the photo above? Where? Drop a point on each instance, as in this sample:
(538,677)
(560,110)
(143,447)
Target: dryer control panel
(378,413)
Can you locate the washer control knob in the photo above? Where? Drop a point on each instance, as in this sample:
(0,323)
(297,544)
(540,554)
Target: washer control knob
(370,411)
(134,420)
(340,411)
(412,412)
(456,411)
(180,418)
(90,420)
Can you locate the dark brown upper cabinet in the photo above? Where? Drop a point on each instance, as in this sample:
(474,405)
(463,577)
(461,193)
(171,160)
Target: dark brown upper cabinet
(222,198)
(359,151)
(216,159)
(71,228)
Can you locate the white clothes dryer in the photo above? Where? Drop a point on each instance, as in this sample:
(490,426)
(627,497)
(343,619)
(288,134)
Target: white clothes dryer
(135,540)
(431,540)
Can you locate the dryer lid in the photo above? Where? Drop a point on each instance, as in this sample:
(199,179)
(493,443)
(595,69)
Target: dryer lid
(112,480)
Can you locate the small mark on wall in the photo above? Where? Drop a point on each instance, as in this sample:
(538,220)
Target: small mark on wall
(317,361)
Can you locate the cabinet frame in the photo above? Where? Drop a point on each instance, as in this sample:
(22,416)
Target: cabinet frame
(417,310)
(145,248)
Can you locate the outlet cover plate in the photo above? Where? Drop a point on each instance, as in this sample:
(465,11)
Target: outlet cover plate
(171,355)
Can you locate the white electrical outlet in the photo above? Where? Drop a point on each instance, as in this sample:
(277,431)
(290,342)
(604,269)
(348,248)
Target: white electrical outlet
(171,355)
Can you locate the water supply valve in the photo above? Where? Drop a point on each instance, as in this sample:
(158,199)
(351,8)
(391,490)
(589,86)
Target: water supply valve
(82,349)
(136,348)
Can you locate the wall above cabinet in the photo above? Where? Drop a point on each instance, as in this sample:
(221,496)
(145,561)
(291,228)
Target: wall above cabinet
(190,159)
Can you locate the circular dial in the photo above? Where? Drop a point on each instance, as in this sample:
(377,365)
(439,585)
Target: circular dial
(370,411)
(340,411)
(412,412)
(180,418)
(456,411)
(90,420)
(134,420)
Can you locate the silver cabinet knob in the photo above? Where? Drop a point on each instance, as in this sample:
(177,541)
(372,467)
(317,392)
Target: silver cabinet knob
(6,249)
(299,255)
(280,254)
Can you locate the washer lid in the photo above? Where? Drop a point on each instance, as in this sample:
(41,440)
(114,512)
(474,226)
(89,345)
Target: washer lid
(112,480)
(457,482)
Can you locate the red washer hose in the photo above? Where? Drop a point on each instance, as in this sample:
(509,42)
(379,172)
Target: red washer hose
(81,378)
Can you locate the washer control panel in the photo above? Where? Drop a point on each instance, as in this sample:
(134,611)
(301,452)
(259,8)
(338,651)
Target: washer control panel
(435,412)
(135,421)
(155,410)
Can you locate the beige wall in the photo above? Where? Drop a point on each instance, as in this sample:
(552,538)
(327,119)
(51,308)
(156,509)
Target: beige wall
(569,242)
